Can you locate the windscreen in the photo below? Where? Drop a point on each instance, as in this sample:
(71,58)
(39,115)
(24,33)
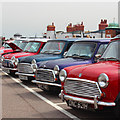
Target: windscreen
(82,50)
(53,47)
(32,47)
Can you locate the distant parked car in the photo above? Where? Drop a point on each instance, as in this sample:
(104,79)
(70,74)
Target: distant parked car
(53,49)
(10,61)
(94,86)
(84,51)
(11,46)
(8,47)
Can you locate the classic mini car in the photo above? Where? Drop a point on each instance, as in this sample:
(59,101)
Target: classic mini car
(53,49)
(10,61)
(82,51)
(94,86)
(5,48)
(9,46)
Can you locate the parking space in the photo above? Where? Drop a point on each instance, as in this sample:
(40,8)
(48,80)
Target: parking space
(25,100)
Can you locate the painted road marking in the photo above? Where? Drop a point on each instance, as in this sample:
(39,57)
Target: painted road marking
(44,99)
(63,103)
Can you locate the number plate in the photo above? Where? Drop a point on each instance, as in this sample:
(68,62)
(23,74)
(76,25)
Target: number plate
(6,70)
(78,104)
(22,77)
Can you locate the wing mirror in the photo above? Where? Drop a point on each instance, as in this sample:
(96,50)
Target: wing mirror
(65,53)
(97,56)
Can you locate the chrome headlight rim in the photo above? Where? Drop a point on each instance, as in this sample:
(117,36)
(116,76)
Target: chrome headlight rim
(13,59)
(16,61)
(56,69)
(103,80)
(62,75)
(34,65)
(33,61)
(2,58)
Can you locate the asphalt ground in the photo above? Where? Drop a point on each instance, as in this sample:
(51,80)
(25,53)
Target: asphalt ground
(26,101)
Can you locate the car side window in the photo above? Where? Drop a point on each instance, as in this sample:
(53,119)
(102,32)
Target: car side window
(102,49)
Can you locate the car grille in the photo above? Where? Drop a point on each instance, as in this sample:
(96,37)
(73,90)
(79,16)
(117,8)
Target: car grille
(45,75)
(25,68)
(81,87)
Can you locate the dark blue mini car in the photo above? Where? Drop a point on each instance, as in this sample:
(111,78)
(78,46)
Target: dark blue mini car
(53,49)
(83,51)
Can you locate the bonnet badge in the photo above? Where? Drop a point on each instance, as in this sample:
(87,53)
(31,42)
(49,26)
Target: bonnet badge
(80,74)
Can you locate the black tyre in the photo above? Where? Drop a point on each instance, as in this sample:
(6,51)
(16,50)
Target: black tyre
(117,109)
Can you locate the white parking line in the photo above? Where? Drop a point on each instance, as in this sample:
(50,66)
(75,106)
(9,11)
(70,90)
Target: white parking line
(60,103)
(44,99)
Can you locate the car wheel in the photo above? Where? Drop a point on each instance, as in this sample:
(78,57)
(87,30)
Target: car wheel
(117,109)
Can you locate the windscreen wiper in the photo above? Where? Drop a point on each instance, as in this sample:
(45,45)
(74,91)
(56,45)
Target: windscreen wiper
(110,59)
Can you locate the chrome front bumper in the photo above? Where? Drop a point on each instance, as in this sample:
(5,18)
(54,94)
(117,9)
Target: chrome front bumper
(95,102)
(46,83)
(5,68)
(25,74)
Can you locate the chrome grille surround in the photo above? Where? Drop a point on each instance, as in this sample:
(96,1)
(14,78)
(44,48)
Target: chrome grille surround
(45,75)
(25,68)
(82,87)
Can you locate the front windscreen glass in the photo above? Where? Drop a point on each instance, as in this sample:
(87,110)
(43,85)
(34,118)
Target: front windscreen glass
(22,44)
(53,47)
(5,45)
(112,51)
(82,50)
(17,42)
(32,47)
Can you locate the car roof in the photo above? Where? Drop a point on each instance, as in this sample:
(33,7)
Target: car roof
(39,39)
(95,39)
(65,39)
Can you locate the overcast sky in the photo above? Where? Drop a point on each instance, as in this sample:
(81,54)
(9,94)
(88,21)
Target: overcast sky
(32,18)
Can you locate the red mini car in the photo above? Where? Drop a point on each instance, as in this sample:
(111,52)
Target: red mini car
(6,48)
(10,61)
(12,46)
(94,86)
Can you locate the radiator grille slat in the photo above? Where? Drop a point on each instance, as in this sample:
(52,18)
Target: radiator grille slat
(45,75)
(25,68)
(82,88)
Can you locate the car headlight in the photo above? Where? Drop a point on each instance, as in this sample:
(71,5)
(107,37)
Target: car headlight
(34,65)
(62,75)
(2,58)
(56,69)
(103,80)
(13,59)
(16,61)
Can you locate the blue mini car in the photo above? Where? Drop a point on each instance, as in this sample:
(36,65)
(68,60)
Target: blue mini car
(53,49)
(83,51)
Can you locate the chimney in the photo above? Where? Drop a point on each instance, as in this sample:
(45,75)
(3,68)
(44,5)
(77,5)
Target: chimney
(69,28)
(103,24)
(51,27)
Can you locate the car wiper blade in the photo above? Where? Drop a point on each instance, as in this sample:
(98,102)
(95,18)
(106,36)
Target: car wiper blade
(78,56)
(110,59)
(56,51)
(84,56)
(46,52)
(113,59)
(67,56)
(75,55)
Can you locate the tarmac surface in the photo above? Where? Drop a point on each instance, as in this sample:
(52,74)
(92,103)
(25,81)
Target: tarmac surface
(25,101)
